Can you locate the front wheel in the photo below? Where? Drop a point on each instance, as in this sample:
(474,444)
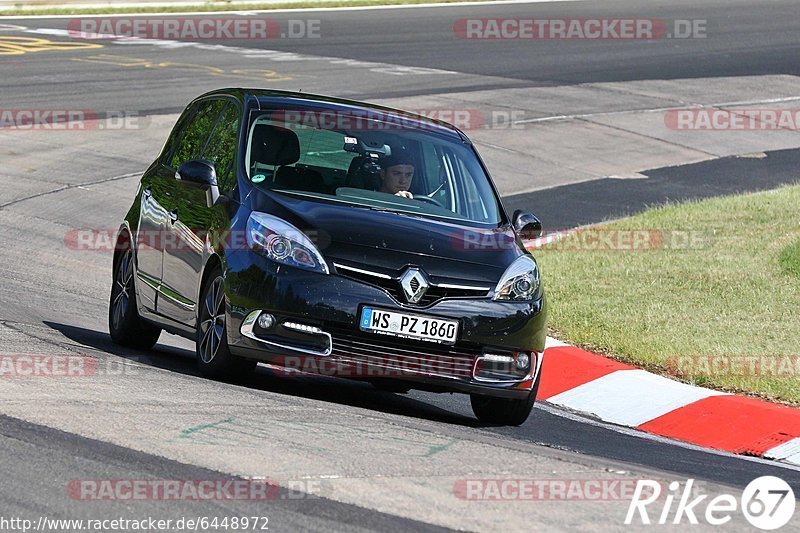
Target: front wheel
(124,323)
(504,411)
(214,358)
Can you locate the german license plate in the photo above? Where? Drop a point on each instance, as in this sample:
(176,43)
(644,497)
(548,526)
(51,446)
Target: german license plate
(427,328)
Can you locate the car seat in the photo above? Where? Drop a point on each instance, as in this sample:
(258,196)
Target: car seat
(278,147)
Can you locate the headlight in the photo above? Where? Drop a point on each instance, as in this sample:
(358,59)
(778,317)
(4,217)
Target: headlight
(520,281)
(283,243)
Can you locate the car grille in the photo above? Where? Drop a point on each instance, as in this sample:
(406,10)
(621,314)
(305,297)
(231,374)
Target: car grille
(431,296)
(382,356)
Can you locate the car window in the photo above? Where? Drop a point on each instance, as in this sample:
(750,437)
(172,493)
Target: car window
(474,202)
(439,182)
(432,166)
(195,135)
(222,146)
(177,130)
(377,165)
(322,148)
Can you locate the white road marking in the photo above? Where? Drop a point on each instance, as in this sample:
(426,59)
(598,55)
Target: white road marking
(289,9)
(257,53)
(576,116)
(789,451)
(575,417)
(631,397)
(554,343)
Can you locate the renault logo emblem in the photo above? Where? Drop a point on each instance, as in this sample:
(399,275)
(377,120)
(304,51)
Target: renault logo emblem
(414,284)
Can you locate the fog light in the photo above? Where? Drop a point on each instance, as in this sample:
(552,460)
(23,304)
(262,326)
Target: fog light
(266,321)
(523,360)
(498,358)
(302,327)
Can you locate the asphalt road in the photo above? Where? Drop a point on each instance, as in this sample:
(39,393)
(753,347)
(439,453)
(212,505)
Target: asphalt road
(389,462)
(742,39)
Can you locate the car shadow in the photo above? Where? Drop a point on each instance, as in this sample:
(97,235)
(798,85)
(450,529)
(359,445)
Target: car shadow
(323,388)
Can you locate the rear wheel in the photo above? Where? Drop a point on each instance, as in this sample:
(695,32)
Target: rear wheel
(127,328)
(504,411)
(214,359)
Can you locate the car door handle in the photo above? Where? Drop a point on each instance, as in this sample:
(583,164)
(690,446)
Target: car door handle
(149,194)
(173,216)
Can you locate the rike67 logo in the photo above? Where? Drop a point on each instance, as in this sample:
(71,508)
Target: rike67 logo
(767,503)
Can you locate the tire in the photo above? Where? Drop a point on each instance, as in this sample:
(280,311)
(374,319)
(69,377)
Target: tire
(504,411)
(214,358)
(125,325)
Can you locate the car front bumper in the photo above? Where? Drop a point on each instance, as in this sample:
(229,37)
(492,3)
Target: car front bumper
(317,331)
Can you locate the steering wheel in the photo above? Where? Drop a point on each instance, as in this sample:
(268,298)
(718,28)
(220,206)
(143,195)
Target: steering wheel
(428,199)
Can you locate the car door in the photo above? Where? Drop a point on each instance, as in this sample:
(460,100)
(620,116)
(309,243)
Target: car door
(155,197)
(213,136)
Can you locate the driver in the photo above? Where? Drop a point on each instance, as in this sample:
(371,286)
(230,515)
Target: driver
(397,171)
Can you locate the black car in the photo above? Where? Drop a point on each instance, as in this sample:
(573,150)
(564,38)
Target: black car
(329,236)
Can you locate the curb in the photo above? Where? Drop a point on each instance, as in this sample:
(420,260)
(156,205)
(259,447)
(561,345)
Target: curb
(627,396)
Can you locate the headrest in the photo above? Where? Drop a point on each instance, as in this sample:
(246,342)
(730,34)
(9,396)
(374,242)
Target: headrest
(273,145)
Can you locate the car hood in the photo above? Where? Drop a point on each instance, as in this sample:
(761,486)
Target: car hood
(389,242)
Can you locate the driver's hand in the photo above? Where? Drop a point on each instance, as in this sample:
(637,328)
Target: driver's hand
(404,194)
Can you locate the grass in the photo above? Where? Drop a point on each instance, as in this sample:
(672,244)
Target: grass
(212,6)
(733,292)
(790,259)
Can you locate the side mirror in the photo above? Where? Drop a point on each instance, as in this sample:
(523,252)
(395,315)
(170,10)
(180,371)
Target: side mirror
(202,174)
(527,225)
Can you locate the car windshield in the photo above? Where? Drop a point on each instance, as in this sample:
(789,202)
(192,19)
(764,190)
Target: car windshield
(368,161)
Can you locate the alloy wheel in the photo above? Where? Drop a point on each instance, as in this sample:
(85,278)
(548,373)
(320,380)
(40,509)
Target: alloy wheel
(124,286)
(212,326)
